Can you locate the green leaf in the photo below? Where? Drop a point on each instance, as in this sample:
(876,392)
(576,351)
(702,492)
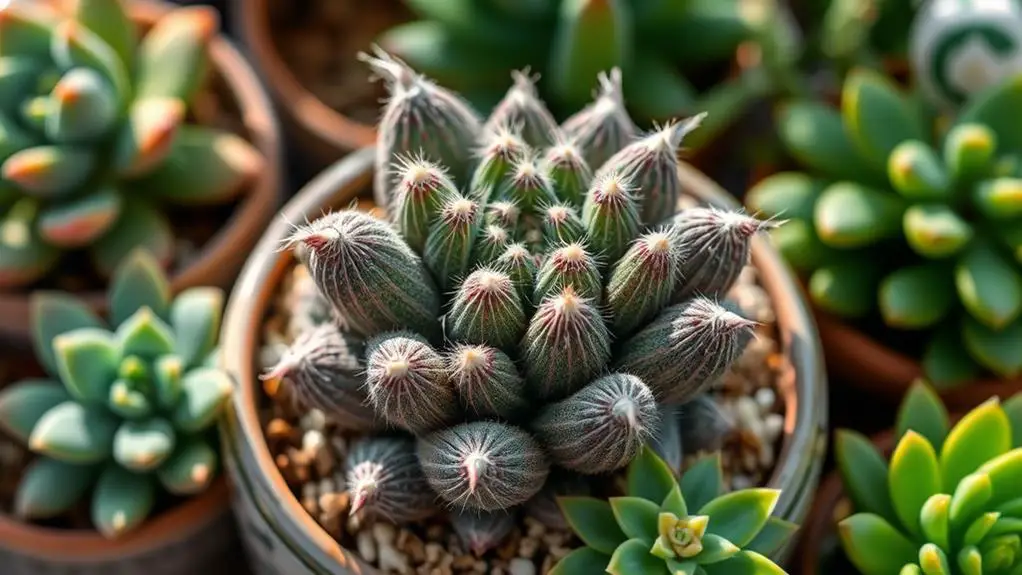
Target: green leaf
(122,501)
(715,550)
(675,502)
(485,23)
(934,519)
(1005,473)
(49,172)
(633,557)
(138,282)
(593,521)
(145,139)
(703,481)
(744,563)
(128,400)
(54,313)
(172,59)
(140,226)
(970,561)
(655,88)
(969,152)
(1011,508)
(87,360)
(969,500)
(981,435)
(999,198)
(109,20)
(24,256)
(847,288)
(49,488)
(999,351)
(935,230)
(675,567)
(74,433)
(922,411)
(146,335)
(79,222)
(980,528)
(637,517)
(916,172)
(195,316)
(916,297)
(933,561)
(788,195)
(989,286)
(167,374)
(83,108)
(204,392)
(799,245)
(813,134)
(590,38)
(1012,408)
(874,546)
(191,469)
(582,561)
(1006,526)
(851,215)
(864,473)
(695,33)
(649,477)
(775,533)
(26,30)
(23,404)
(75,45)
(877,116)
(914,476)
(990,108)
(738,516)
(946,361)
(144,445)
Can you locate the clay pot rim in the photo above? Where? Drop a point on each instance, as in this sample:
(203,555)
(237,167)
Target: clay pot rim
(309,111)
(799,459)
(223,254)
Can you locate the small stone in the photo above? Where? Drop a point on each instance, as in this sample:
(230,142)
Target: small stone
(765,398)
(313,441)
(773,425)
(393,560)
(527,547)
(313,419)
(535,528)
(384,533)
(479,566)
(412,545)
(521,566)
(366,546)
(435,532)
(463,562)
(739,482)
(279,430)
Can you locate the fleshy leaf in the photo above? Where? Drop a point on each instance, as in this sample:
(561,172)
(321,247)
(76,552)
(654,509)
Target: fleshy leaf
(744,563)
(167,374)
(877,116)
(675,567)
(847,288)
(913,477)
(649,477)
(23,404)
(933,561)
(24,256)
(703,481)
(591,37)
(49,488)
(191,469)
(970,561)
(934,519)
(49,171)
(122,501)
(204,392)
(138,282)
(54,313)
(1013,409)
(979,528)
(633,557)
(946,361)
(784,195)
(145,334)
(935,230)
(970,498)
(1005,473)
(812,132)
(75,433)
(581,561)
(991,106)
(172,58)
(922,411)
(917,296)
(109,20)
(148,135)
(989,286)
(916,172)
(26,30)
(1000,351)
(75,45)
(144,445)
(83,107)
(87,359)
(799,245)
(128,400)
(675,502)
(850,215)
(637,517)
(999,198)
(874,546)
(593,521)
(775,533)
(738,516)
(18,76)
(864,473)
(969,152)
(140,226)
(715,550)
(195,316)
(981,435)
(81,221)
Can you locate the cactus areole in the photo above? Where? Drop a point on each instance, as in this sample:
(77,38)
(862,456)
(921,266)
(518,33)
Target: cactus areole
(523,317)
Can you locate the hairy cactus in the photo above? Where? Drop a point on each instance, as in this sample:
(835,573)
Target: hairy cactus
(545,346)
(96,139)
(385,480)
(126,401)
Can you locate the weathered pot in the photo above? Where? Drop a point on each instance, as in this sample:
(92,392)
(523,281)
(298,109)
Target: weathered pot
(280,535)
(222,256)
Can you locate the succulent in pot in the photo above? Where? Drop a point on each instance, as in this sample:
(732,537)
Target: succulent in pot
(127,406)
(96,137)
(515,315)
(909,218)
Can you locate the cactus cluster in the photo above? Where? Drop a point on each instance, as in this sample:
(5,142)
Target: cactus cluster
(947,501)
(521,312)
(95,137)
(126,406)
(664,49)
(910,215)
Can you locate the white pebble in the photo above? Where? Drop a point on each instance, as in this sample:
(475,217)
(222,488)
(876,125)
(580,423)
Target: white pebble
(312,441)
(327,485)
(366,546)
(270,354)
(384,533)
(433,553)
(748,416)
(393,560)
(765,398)
(521,566)
(314,419)
(309,491)
(739,482)
(773,425)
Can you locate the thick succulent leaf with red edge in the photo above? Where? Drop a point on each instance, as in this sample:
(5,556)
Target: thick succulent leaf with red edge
(913,477)
(140,226)
(49,171)
(24,256)
(864,472)
(591,37)
(172,59)
(138,282)
(49,488)
(81,221)
(83,107)
(593,521)
(581,561)
(922,411)
(738,516)
(981,435)
(23,404)
(148,136)
(110,21)
(877,116)
(55,313)
(204,166)
(874,546)
(75,45)
(26,29)
(703,481)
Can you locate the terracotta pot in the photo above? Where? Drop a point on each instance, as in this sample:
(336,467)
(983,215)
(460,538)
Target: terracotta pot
(224,253)
(281,536)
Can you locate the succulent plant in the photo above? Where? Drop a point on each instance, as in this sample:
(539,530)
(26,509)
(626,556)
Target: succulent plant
(663,525)
(96,137)
(502,362)
(661,47)
(947,502)
(911,217)
(127,404)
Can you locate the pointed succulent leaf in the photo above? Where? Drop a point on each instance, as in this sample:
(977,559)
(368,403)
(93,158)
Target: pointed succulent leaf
(140,226)
(675,502)
(1011,508)
(74,433)
(744,563)
(637,517)
(933,561)
(54,313)
(703,481)
(110,21)
(922,411)
(122,501)
(128,399)
(913,477)
(591,37)
(877,116)
(980,528)
(145,334)
(864,472)
(649,477)
(190,469)
(989,286)
(23,404)
(633,556)
(26,30)
(83,107)
(935,230)
(204,392)
(999,198)
(812,132)
(851,215)
(195,317)
(24,256)
(148,135)
(775,533)
(715,550)
(969,152)
(144,445)
(167,372)
(970,498)
(846,288)
(874,546)
(994,349)
(18,76)
(980,436)
(934,519)
(79,222)
(1012,407)
(49,488)
(787,195)
(87,359)
(916,172)
(916,297)
(991,106)
(172,58)
(76,45)
(946,361)
(580,562)
(593,521)
(1005,473)
(738,516)
(49,171)
(138,282)
(675,567)
(970,561)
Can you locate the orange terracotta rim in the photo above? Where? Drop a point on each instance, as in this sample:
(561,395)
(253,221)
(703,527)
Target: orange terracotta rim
(307,110)
(224,254)
(76,546)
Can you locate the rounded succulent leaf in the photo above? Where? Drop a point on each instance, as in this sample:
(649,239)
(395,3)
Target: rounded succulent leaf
(195,318)
(969,151)
(994,349)
(81,221)
(49,171)
(916,172)
(851,215)
(145,334)
(877,116)
(789,195)
(136,283)
(989,286)
(121,501)
(75,433)
(143,445)
(864,472)
(916,297)
(874,546)
(74,45)
(999,198)
(147,136)
(980,436)
(23,404)
(846,288)
(172,58)
(914,476)
(83,107)
(129,400)
(934,519)
(49,488)
(814,134)
(936,231)
(204,391)
(87,361)
(24,256)
(190,469)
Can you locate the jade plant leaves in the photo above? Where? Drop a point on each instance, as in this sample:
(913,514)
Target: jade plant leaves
(997,350)
(989,286)
(932,559)
(970,498)
(1005,473)
(935,519)
(171,59)
(922,411)
(917,296)
(139,282)
(999,198)
(916,172)
(144,445)
(946,361)
(204,391)
(850,215)
(991,106)
(195,316)
(876,115)
(813,133)
(846,288)
(108,20)
(969,152)
(593,521)
(980,436)
(785,195)
(190,468)
(738,516)
(913,477)
(874,546)
(864,472)
(935,231)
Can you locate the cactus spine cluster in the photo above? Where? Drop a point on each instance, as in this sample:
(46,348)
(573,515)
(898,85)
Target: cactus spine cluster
(548,356)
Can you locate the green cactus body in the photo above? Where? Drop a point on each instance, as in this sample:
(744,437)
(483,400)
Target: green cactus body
(423,189)
(601,427)
(602,128)
(481,531)
(529,186)
(325,371)
(569,171)
(611,216)
(487,310)
(369,275)
(569,265)
(562,225)
(487,381)
(484,465)
(493,240)
(685,349)
(522,108)
(125,405)
(451,241)
(407,382)
(502,149)
(385,480)
(642,282)
(92,136)
(519,265)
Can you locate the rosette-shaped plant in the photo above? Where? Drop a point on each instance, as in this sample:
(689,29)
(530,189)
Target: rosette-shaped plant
(911,216)
(95,138)
(666,527)
(127,404)
(949,500)
(513,324)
